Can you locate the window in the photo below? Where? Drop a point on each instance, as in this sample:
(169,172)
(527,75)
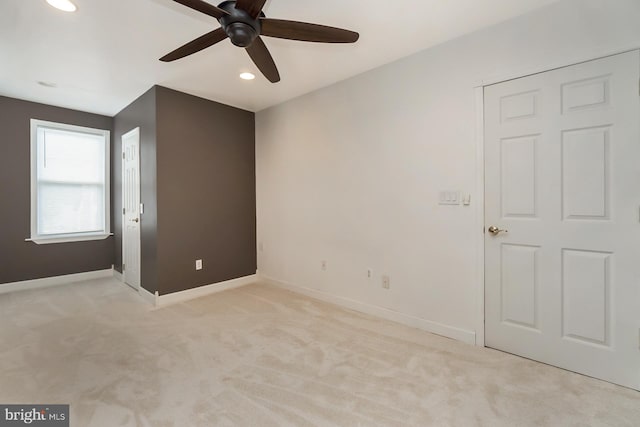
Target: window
(69,183)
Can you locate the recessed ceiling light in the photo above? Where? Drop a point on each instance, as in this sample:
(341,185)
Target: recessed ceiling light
(47,84)
(64,5)
(247,76)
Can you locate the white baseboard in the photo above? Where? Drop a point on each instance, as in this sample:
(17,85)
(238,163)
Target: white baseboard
(54,281)
(148,296)
(118,275)
(189,294)
(463,335)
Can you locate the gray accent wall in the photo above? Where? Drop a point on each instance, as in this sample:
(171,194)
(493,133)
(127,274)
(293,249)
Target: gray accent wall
(20,260)
(140,113)
(206,191)
(197,185)
(197,177)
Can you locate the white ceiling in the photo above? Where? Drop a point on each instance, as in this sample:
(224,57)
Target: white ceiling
(106,54)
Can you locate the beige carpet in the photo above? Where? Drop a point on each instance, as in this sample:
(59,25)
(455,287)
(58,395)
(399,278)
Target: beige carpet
(261,356)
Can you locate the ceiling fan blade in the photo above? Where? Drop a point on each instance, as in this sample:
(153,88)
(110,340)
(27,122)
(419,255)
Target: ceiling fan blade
(294,30)
(252,7)
(262,58)
(204,7)
(196,45)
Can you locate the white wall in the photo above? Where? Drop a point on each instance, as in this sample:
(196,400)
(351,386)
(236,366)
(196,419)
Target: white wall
(350,174)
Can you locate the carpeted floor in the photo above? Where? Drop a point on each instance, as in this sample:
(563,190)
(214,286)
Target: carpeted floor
(261,356)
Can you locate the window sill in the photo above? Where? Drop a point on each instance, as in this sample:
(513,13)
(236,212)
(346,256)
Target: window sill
(68,239)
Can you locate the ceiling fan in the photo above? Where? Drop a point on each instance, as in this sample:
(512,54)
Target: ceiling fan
(243,22)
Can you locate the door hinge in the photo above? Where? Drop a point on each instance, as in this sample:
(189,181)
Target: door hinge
(123,211)
(123,267)
(123,156)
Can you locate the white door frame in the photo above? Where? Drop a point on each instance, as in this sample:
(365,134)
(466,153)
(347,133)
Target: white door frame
(124,272)
(479,137)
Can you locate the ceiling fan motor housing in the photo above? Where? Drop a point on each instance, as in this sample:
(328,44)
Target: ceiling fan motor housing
(238,24)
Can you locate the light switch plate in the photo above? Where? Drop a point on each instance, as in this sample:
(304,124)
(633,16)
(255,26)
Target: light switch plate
(449,198)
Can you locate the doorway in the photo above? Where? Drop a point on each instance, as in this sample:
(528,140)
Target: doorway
(131,208)
(562,198)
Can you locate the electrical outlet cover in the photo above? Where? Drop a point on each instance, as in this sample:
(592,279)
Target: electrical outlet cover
(386,282)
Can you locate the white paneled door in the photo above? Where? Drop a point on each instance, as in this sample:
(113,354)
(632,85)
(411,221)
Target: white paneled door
(562,240)
(131,205)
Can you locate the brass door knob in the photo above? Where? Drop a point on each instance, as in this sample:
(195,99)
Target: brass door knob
(495,230)
(135,220)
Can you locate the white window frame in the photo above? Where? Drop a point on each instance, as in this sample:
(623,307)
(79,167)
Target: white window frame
(69,237)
